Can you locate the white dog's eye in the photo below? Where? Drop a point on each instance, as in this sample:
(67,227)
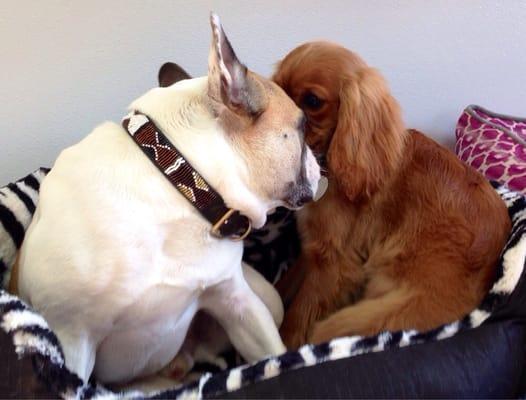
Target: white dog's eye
(285,135)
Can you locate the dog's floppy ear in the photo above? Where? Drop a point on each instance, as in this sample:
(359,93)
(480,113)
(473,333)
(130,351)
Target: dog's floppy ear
(171,73)
(229,80)
(368,141)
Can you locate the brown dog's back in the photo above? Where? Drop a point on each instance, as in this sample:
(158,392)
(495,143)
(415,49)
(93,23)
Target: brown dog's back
(457,224)
(434,237)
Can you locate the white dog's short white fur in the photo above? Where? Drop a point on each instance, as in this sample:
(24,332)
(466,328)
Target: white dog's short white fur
(118,261)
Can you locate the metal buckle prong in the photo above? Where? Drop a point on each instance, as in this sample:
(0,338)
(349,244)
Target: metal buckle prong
(215,228)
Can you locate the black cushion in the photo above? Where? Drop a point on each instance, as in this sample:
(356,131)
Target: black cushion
(486,362)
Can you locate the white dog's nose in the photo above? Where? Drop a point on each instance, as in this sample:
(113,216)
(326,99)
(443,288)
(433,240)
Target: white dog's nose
(305,198)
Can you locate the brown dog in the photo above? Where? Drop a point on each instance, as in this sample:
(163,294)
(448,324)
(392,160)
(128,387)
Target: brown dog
(406,236)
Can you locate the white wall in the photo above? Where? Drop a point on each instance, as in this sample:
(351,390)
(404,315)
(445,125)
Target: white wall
(68,65)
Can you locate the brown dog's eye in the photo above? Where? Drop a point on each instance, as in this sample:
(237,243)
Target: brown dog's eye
(310,100)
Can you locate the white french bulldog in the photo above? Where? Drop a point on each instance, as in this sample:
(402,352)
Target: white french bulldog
(118,261)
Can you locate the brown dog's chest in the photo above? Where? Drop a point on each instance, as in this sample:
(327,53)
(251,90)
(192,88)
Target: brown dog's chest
(351,244)
(341,227)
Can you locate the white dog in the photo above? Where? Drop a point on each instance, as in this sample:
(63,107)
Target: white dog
(118,260)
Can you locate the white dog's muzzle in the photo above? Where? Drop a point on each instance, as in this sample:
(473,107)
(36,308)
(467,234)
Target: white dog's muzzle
(306,187)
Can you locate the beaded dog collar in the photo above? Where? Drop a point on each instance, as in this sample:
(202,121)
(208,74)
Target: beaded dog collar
(226,222)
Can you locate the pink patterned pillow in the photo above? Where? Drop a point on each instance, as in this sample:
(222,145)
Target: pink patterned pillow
(494,144)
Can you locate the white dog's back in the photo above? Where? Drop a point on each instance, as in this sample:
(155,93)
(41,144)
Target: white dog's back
(110,227)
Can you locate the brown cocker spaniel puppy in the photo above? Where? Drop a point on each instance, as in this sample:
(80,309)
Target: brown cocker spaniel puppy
(406,237)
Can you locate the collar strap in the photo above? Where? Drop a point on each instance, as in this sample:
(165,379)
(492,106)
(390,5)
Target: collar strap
(225,221)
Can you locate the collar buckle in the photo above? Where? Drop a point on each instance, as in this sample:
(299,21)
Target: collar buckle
(216,228)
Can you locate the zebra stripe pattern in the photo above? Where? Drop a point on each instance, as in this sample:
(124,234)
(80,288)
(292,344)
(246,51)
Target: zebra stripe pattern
(31,334)
(18,201)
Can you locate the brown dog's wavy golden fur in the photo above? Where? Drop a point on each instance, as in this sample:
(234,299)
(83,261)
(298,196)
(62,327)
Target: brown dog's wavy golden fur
(406,236)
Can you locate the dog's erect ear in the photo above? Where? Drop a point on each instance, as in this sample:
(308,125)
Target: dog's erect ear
(229,80)
(171,73)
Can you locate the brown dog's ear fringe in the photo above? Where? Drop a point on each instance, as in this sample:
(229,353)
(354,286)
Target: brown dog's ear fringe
(171,73)
(369,138)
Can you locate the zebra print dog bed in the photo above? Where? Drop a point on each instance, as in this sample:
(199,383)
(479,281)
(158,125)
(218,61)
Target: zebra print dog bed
(480,356)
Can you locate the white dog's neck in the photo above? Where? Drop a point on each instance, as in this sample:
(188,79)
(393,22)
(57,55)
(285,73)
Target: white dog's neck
(182,112)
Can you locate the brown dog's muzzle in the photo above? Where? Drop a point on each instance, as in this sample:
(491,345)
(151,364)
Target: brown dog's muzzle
(322,162)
